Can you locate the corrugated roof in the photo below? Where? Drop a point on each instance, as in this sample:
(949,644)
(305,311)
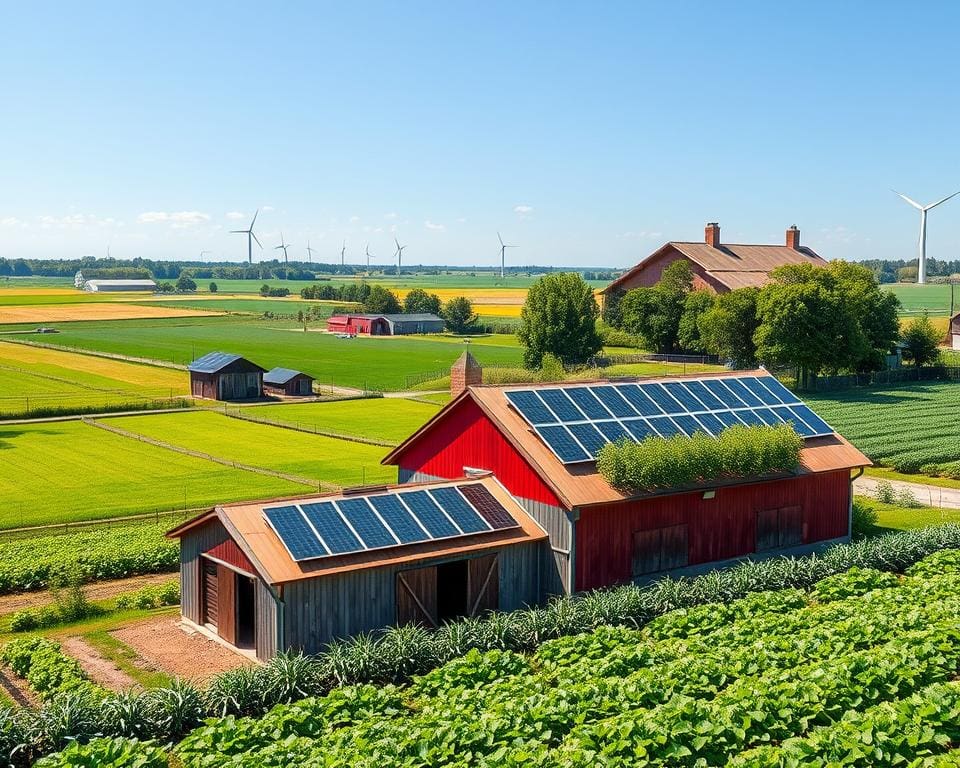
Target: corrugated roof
(393,318)
(280,375)
(212,362)
(733,265)
(579,485)
(247,525)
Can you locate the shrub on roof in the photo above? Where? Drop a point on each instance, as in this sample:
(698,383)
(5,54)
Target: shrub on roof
(675,462)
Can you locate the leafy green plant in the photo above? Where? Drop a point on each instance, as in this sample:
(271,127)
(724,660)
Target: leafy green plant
(154,596)
(107,753)
(856,581)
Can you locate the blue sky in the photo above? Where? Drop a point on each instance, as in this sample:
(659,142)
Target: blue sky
(588,134)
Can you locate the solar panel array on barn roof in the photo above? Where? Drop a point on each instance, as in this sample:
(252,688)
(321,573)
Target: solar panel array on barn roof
(212,362)
(576,421)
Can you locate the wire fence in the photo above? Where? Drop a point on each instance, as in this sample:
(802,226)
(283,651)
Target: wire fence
(882,378)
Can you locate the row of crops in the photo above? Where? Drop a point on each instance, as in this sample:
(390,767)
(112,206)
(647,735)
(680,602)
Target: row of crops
(856,669)
(907,428)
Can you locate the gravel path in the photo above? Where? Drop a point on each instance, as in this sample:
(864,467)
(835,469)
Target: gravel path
(930,495)
(100,670)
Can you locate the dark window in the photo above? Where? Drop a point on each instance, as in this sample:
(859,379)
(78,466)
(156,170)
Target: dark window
(781,527)
(660,549)
(452,590)
(246,612)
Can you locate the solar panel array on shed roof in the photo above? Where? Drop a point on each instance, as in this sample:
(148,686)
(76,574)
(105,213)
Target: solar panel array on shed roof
(576,421)
(212,362)
(344,525)
(279,375)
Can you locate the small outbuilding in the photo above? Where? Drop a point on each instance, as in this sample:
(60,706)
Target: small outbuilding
(953,332)
(119,286)
(385,325)
(286,381)
(295,574)
(225,376)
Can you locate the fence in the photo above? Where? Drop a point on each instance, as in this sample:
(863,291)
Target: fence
(313,429)
(173,516)
(881,378)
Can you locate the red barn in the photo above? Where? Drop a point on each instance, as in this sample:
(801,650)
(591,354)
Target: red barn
(718,267)
(539,442)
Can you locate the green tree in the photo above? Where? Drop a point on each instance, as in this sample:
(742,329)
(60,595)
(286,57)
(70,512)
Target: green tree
(654,313)
(184,283)
(213,288)
(381,301)
(559,317)
(418,301)
(727,328)
(458,315)
(922,340)
(695,306)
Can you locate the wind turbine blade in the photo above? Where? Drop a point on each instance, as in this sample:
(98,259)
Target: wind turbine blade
(238,232)
(934,205)
(255,214)
(253,235)
(914,203)
(499,238)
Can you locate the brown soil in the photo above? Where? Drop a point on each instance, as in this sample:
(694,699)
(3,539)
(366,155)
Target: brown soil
(178,649)
(102,671)
(101,590)
(16,688)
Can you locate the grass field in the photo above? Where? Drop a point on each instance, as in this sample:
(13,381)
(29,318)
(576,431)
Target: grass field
(933,298)
(389,419)
(34,378)
(910,428)
(248,305)
(340,462)
(56,472)
(375,363)
(114,310)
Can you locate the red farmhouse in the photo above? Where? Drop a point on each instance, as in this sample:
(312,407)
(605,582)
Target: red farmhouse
(718,267)
(600,536)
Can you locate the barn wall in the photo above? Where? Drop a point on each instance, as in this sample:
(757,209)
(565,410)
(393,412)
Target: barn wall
(319,610)
(266,613)
(720,528)
(652,271)
(465,437)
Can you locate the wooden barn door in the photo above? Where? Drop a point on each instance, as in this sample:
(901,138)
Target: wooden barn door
(417,596)
(483,585)
(227,604)
(208,590)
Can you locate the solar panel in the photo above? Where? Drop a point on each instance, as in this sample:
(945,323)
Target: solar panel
(365,523)
(295,533)
(401,522)
(579,420)
(429,514)
(332,528)
(456,507)
(489,508)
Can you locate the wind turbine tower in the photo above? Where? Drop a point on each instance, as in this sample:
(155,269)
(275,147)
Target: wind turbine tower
(367,249)
(399,254)
(343,252)
(503,254)
(310,252)
(202,253)
(250,236)
(922,243)
(282,247)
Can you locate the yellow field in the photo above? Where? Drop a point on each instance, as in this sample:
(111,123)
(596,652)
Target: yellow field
(61,313)
(55,362)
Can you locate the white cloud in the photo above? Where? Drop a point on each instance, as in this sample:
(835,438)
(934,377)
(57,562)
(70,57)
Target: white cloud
(435,227)
(354,219)
(391,215)
(523,210)
(462,220)
(267,208)
(77,221)
(176,219)
(11,221)
(235,215)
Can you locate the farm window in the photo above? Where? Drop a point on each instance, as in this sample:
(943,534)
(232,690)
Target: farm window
(660,549)
(782,527)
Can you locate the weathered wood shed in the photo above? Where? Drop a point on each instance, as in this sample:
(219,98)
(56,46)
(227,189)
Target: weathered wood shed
(225,376)
(298,573)
(286,381)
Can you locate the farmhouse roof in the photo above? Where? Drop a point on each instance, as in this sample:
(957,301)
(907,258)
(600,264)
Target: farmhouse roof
(105,282)
(393,317)
(580,485)
(731,264)
(212,362)
(281,375)
(248,527)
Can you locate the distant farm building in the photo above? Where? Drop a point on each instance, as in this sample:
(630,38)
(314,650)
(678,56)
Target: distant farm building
(118,286)
(385,325)
(953,332)
(224,376)
(286,381)
(718,267)
(297,573)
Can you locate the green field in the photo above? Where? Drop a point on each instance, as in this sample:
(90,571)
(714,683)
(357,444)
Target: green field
(374,363)
(932,298)
(390,419)
(55,472)
(340,462)
(907,428)
(250,306)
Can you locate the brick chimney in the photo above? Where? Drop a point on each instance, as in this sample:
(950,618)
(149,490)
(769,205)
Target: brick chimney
(793,237)
(466,372)
(712,234)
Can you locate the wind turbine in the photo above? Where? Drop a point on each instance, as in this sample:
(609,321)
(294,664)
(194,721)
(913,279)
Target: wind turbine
(310,252)
(250,236)
(503,253)
(202,253)
(922,243)
(343,252)
(399,254)
(367,250)
(282,247)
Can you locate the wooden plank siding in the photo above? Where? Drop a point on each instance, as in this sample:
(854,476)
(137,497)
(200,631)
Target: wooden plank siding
(809,508)
(317,611)
(227,604)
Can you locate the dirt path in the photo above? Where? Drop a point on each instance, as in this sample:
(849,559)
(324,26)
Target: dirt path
(101,590)
(17,689)
(102,671)
(931,495)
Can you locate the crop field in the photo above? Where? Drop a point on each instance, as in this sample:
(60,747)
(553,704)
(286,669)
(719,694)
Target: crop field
(859,670)
(248,305)
(389,419)
(61,471)
(33,379)
(375,363)
(114,310)
(340,462)
(916,299)
(912,428)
